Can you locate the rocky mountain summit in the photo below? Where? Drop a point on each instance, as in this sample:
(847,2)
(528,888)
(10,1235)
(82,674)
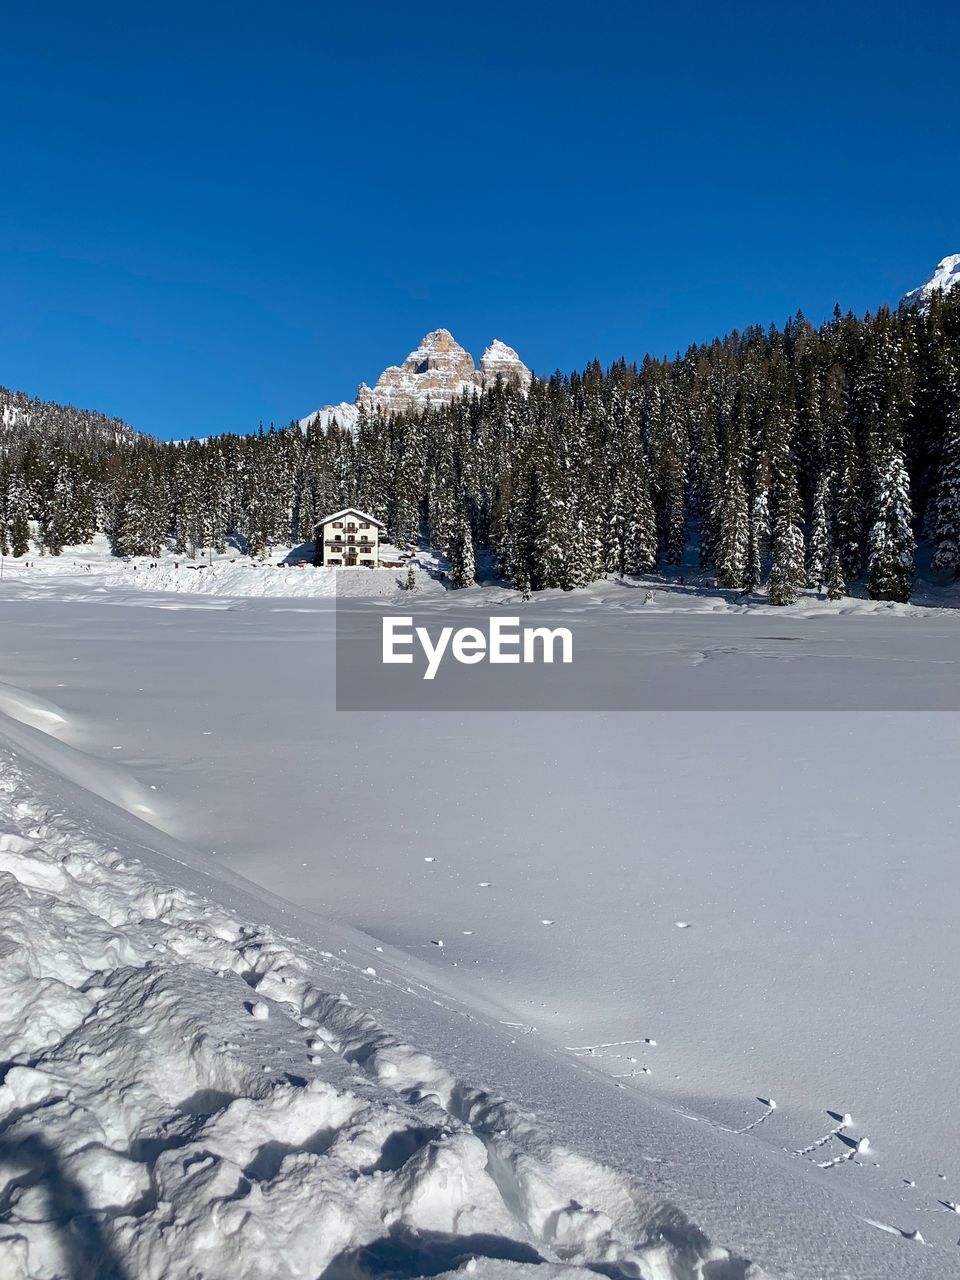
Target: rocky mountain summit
(946,276)
(436,372)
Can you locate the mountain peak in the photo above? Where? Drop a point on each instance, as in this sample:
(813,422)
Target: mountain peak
(437,371)
(946,276)
(502,361)
(441,339)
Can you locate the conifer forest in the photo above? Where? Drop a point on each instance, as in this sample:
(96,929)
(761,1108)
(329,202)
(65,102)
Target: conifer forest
(774,459)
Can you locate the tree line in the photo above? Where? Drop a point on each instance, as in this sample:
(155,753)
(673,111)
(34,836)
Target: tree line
(778,458)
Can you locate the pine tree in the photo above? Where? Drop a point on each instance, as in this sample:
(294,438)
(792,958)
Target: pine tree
(819,551)
(640,531)
(836,587)
(787,574)
(758,538)
(946,524)
(462,561)
(787,564)
(732,525)
(19,532)
(890,556)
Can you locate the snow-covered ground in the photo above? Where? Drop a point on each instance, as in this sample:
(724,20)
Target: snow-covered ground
(91,569)
(187,1093)
(652,926)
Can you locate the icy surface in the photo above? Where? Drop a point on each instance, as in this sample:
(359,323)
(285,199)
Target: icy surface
(742,907)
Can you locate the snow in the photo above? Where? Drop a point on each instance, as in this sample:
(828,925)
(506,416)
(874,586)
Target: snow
(89,571)
(743,906)
(345,415)
(437,371)
(503,360)
(150,1129)
(946,276)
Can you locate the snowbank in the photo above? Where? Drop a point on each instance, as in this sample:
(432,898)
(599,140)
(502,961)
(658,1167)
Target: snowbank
(83,572)
(91,568)
(185,1094)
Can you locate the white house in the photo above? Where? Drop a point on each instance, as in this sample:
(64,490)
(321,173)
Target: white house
(348,538)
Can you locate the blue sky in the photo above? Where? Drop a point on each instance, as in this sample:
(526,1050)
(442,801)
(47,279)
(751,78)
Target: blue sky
(213,215)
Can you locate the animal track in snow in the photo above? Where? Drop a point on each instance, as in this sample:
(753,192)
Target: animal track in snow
(770,1106)
(845,1121)
(856,1148)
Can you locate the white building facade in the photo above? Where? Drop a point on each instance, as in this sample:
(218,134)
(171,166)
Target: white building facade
(348,539)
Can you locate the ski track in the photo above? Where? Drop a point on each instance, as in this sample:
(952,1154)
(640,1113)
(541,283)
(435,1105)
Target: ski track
(183,1094)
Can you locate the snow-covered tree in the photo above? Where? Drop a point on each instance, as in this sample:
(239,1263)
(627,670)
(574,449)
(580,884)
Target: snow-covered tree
(732,524)
(819,549)
(946,524)
(463,564)
(891,544)
(836,587)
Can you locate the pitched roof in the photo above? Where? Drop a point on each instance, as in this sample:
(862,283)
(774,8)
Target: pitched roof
(353,511)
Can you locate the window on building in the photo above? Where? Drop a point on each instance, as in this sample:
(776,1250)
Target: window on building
(338,524)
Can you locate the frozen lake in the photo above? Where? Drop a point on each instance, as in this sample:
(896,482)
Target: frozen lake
(810,852)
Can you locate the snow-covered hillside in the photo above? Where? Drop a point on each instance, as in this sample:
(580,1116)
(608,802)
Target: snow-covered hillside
(22,415)
(946,276)
(437,371)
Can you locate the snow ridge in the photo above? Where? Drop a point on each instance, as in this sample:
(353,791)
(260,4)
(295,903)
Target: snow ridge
(185,1094)
(946,276)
